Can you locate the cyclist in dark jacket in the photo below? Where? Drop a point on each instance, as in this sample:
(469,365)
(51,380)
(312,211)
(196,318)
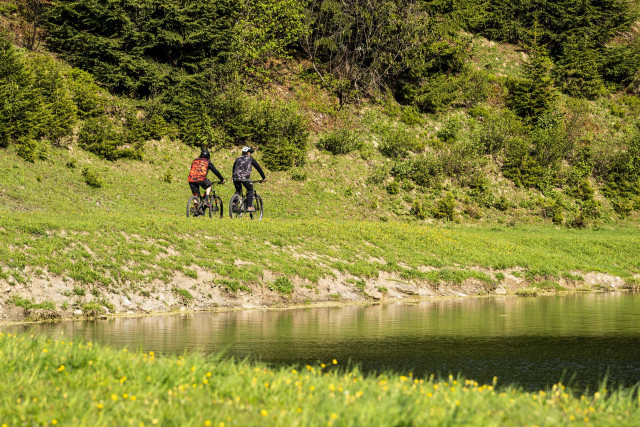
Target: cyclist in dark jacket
(198,173)
(242,175)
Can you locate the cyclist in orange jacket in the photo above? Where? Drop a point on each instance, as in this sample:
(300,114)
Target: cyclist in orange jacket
(198,173)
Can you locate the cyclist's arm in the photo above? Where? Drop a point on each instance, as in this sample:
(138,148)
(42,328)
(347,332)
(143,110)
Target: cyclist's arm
(215,171)
(233,170)
(258,168)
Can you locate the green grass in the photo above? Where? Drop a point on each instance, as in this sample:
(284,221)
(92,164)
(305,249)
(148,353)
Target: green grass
(282,285)
(183,293)
(113,250)
(76,383)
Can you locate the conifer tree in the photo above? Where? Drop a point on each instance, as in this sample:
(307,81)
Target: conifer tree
(577,71)
(534,95)
(19,103)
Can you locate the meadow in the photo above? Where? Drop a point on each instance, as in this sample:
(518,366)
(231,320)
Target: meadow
(47,382)
(128,253)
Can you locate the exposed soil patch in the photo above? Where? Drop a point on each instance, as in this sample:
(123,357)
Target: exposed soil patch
(208,291)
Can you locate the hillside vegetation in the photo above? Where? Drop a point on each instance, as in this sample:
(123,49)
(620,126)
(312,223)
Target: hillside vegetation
(457,110)
(371,120)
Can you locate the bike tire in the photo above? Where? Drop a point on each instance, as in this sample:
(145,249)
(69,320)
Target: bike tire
(210,207)
(257,203)
(218,206)
(238,200)
(191,211)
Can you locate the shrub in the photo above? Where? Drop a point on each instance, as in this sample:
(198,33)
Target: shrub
(496,130)
(99,136)
(418,210)
(393,188)
(282,285)
(183,294)
(527,292)
(397,141)
(341,141)
(281,131)
(444,208)
(91,178)
(502,204)
(449,132)
(92,309)
(533,96)
(298,174)
(425,170)
(32,150)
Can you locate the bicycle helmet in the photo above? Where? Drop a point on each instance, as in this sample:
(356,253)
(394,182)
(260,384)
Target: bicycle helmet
(204,154)
(246,149)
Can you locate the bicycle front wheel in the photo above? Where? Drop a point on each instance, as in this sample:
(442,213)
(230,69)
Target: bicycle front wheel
(208,209)
(236,206)
(257,204)
(192,206)
(217,206)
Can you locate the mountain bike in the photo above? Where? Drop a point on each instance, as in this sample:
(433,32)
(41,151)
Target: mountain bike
(205,205)
(238,204)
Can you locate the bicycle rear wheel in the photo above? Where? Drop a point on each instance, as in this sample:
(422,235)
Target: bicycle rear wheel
(192,206)
(236,206)
(257,203)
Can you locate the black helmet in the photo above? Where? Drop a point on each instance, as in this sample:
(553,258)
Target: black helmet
(204,154)
(246,149)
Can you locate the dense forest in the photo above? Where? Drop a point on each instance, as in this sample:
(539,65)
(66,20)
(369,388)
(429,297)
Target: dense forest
(193,71)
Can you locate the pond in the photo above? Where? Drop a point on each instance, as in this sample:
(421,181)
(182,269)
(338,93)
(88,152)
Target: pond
(531,342)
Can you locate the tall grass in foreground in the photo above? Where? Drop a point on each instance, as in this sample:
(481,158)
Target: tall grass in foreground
(49,382)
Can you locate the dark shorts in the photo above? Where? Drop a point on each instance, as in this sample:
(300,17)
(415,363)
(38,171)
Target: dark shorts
(194,185)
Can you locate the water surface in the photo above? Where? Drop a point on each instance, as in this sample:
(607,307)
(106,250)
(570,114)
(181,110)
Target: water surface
(533,342)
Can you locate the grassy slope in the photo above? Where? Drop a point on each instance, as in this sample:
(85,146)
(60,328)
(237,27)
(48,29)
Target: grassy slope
(75,383)
(132,230)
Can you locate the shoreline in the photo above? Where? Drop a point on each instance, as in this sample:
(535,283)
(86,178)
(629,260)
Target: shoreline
(404,293)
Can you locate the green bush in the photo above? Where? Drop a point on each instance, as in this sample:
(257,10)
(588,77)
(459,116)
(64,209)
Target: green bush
(183,294)
(425,170)
(298,174)
(417,210)
(32,150)
(497,128)
(99,136)
(398,141)
(341,141)
(449,132)
(445,208)
(282,285)
(91,178)
(280,131)
(533,96)
(393,188)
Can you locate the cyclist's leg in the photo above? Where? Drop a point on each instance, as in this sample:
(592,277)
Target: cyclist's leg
(194,188)
(206,184)
(249,186)
(238,186)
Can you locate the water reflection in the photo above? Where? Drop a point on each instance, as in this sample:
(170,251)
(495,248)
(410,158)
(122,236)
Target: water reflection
(533,342)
